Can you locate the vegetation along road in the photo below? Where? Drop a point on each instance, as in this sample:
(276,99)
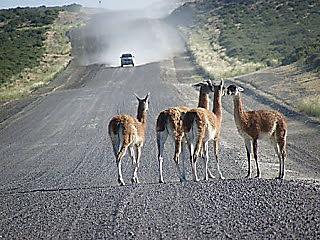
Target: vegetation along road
(58,175)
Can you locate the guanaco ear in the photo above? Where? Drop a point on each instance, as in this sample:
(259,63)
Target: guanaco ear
(224,90)
(240,89)
(137,97)
(221,85)
(147,97)
(200,84)
(209,81)
(210,84)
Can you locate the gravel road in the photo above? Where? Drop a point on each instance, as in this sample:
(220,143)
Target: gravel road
(58,177)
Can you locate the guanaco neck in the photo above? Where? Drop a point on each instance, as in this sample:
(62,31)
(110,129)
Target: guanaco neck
(240,115)
(217,105)
(142,115)
(203,99)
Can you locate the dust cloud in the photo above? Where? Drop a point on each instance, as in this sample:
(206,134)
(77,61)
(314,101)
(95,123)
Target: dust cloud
(139,32)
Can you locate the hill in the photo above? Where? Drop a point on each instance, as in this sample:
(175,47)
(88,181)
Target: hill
(34,47)
(230,38)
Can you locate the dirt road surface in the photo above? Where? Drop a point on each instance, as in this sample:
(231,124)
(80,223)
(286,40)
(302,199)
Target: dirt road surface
(58,177)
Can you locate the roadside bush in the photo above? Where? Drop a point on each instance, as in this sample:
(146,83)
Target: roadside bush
(22,37)
(262,31)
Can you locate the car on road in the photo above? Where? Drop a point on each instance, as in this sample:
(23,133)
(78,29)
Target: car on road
(127,59)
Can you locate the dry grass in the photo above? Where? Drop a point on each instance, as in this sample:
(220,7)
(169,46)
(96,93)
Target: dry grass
(299,87)
(310,105)
(203,43)
(291,82)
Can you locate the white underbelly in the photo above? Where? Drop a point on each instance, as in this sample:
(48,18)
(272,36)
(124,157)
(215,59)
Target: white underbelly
(211,133)
(137,140)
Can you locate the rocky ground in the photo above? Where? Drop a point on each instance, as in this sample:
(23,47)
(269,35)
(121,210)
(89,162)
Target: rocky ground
(58,177)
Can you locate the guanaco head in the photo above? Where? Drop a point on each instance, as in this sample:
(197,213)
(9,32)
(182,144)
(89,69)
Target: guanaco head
(220,88)
(234,90)
(205,86)
(143,103)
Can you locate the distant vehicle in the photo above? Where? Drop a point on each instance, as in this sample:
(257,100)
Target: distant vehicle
(127,59)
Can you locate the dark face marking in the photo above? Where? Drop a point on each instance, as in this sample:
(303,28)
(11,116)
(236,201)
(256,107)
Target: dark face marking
(143,103)
(205,87)
(231,89)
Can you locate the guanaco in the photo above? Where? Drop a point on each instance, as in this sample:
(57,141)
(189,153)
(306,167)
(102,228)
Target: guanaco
(169,123)
(259,125)
(129,132)
(201,126)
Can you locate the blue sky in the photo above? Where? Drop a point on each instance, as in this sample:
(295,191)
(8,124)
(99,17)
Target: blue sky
(110,4)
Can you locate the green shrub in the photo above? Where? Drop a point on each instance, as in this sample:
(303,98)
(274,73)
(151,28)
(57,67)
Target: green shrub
(22,37)
(265,31)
